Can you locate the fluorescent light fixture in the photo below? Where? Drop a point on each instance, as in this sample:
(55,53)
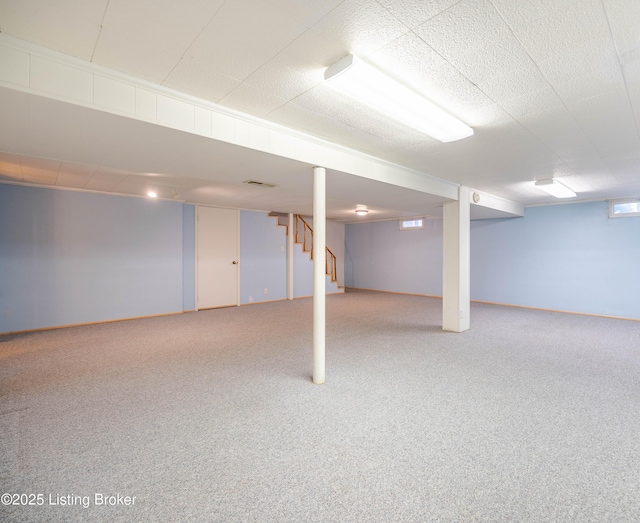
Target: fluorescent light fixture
(555,188)
(361,212)
(152,194)
(370,86)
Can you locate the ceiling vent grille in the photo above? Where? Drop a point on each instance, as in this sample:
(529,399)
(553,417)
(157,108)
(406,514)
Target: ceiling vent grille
(259,184)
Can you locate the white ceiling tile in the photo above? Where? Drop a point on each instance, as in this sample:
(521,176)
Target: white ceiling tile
(547,28)
(242,37)
(493,119)
(281,81)
(39,170)
(163,186)
(360,27)
(10,167)
(473,37)
(414,63)
(147,38)
(192,76)
(632,83)
(596,57)
(295,115)
(311,53)
(306,12)
(139,58)
(68,26)
(77,181)
(532,102)
(560,132)
(105,179)
(253,100)
(514,83)
(530,59)
(623,16)
(74,174)
(607,79)
(415,12)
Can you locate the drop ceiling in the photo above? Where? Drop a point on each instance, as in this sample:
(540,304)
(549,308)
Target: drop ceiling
(551,88)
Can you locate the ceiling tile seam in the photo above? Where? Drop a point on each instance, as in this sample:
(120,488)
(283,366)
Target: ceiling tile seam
(282,51)
(394,16)
(95,46)
(58,173)
(91,177)
(193,42)
(21,172)
(301,35)
(121,180)
(554,91)
(624,77)
(423,21)
(489,96)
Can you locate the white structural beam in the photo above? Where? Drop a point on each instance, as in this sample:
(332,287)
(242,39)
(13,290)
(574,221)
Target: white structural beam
(39,71)
(456,278)
(290,237)
(319,271)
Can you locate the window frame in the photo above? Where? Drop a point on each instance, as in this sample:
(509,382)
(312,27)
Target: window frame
(613,203)
(414,228)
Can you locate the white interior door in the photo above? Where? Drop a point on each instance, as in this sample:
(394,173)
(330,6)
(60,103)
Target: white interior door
(217,257)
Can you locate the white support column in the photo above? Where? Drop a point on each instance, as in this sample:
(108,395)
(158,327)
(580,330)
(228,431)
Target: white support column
(456,280)
(290,238)
(319,271)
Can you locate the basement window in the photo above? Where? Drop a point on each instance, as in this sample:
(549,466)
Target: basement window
(413,223)
(624,208)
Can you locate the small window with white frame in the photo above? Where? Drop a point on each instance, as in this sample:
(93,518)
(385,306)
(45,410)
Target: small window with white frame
(624,208)
(412,224)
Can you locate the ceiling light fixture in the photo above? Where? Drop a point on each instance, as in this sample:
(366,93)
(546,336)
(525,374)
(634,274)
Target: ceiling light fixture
(369,85)
(555,188)
(152,194)
(362,212)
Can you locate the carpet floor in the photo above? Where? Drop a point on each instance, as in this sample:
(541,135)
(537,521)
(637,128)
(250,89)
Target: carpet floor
(212,416)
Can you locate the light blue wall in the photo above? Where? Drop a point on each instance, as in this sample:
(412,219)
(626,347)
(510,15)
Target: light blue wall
(303,275)
(565,257)
(302,272)
(71,257)
(188,257)
(263,258)
(380,256)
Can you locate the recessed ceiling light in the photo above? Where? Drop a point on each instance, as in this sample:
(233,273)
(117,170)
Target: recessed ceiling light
(555,188)
(152,194)
(370,86)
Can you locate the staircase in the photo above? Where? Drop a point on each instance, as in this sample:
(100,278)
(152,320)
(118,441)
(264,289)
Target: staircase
(303,236)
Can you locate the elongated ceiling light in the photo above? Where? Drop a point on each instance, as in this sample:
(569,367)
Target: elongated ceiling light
(368,85)
(555,188)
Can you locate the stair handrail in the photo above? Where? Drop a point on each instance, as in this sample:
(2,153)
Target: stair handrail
(329,263)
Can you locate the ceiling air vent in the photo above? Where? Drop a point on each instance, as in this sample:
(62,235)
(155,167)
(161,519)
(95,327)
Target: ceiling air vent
(259,184)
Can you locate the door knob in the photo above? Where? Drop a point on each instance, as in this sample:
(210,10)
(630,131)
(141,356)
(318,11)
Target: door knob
(235,262)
